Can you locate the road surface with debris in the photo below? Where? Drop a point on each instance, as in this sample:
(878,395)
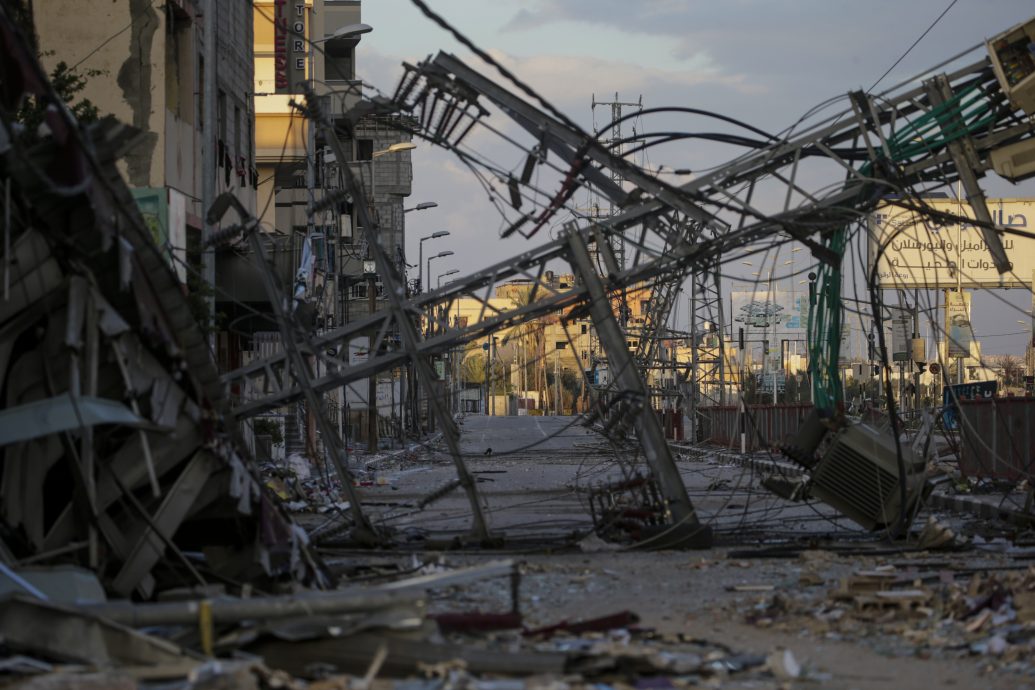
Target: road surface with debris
(854,609)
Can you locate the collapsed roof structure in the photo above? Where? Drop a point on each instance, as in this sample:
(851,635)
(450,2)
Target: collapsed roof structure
(115,429)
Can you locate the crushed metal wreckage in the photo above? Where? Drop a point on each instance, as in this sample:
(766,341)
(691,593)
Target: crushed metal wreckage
(117,455)
(863,471)
(859,469)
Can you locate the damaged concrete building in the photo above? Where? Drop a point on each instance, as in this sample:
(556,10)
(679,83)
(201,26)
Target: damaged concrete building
(113,439)
(158,66)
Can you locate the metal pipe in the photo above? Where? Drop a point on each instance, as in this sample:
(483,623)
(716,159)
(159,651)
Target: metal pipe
(208,161)
(236,610)
(22,582)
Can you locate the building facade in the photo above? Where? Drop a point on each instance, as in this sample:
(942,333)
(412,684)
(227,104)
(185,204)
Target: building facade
(151,76)
(302,46)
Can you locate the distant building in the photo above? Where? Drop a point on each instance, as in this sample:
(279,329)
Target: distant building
(319,260)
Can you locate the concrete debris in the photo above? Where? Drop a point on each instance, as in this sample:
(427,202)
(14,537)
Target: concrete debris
(938,615)
(936,536)
(782,664)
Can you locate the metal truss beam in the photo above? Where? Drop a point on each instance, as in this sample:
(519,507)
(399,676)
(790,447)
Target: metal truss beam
(569,144)
(395,289)
(726,192)
(685,525)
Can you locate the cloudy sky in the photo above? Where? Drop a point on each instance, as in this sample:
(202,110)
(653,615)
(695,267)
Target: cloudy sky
(765,62)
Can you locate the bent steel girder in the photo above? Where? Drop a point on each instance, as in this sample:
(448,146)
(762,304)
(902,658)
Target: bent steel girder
(569,144)
(673,231)
(721,200)
(269,380)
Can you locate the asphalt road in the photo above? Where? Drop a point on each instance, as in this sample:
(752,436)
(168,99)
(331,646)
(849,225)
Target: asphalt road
(521,435)
(535,485)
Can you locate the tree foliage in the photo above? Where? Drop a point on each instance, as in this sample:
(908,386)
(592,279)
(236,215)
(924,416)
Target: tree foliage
(472,370)
(1012,368)
(68,83)
(265,426)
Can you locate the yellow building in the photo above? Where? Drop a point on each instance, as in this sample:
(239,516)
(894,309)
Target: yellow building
(288,153)
(280,129)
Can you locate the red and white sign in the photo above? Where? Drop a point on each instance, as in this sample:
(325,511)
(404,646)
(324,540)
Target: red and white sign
(289,41)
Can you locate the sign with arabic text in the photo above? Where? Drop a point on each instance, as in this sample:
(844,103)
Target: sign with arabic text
(979,390)
(920,252)
(957,324)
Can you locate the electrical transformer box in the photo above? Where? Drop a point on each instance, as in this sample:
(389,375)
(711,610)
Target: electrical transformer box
(1013,60)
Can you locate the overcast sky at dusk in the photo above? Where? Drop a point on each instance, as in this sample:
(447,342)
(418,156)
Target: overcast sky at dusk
(764,62)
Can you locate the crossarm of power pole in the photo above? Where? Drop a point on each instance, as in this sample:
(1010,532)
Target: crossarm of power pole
(564,141)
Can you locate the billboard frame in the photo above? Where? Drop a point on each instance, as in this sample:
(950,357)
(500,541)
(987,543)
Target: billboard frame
(938,254)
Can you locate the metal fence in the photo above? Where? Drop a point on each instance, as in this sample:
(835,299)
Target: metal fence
(765,426)
(997,438)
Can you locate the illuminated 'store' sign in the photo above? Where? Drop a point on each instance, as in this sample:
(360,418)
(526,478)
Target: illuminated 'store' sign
(289,40)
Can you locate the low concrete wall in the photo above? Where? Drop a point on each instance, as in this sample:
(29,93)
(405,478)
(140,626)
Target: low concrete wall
(765,426)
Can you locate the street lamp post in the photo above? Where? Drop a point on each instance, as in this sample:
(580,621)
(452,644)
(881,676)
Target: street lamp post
(447,361)
(437,256)
(422,206)
(420,257)
(430,319)
(447,273)
(431,314)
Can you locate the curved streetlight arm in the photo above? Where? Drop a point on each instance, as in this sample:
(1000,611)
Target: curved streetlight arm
(395,148)
(452,272)
(422,206)
(436,256)
(420,257)
(347,31)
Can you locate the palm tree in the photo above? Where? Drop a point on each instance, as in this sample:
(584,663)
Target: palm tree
(1012,368)
(531,336)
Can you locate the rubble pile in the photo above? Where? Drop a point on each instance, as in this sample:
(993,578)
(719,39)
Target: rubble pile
(356,637)
(305,490)
(120,454)
(910,611)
